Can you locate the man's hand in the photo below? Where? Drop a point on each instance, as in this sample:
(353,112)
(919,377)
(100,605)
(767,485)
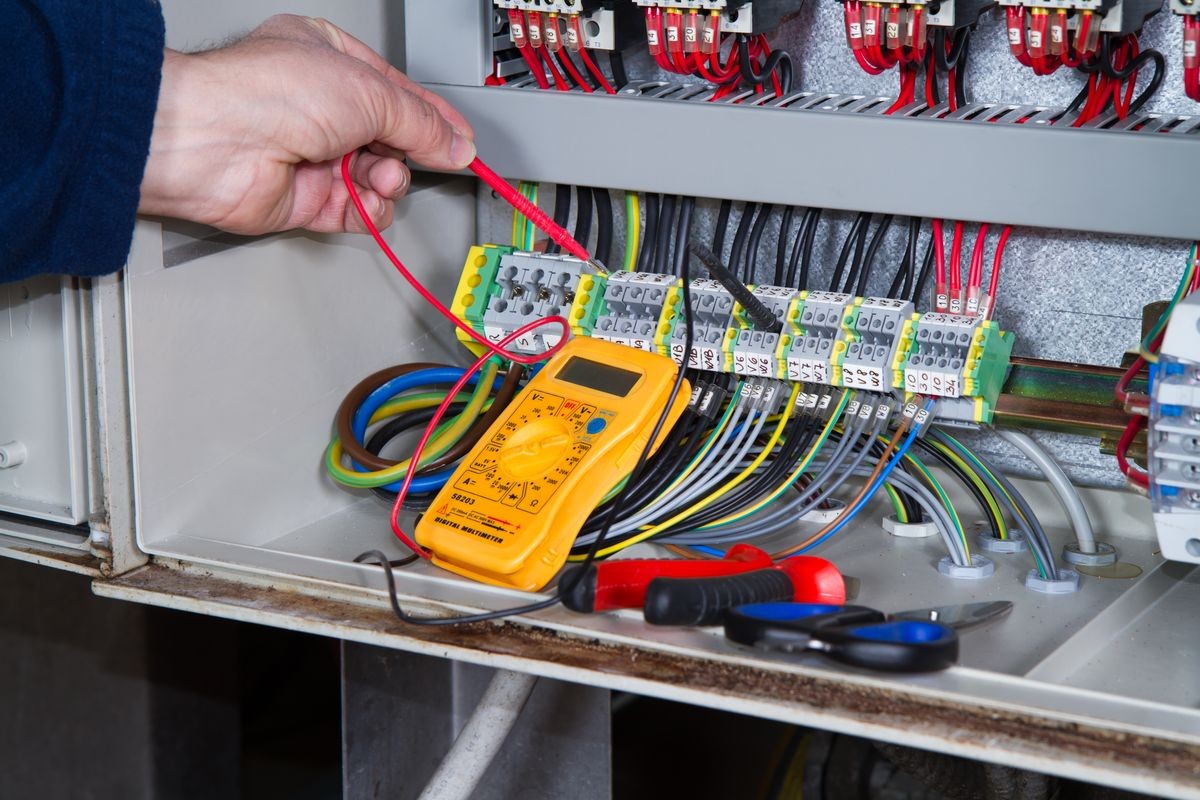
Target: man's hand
(249,138)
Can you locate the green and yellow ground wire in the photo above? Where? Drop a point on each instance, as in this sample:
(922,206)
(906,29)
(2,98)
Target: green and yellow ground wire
(445,437)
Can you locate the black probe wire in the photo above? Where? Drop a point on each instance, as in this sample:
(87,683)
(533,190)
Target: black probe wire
(948,61)
(836,281)
(763,317)
(779,59)
(649,234)
(583,215)
(614,510)
(781,252)
(756,232)
(722,224)
(604,225)
(562,212)
(869,259)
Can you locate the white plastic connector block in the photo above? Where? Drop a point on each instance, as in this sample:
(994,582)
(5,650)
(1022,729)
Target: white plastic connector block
(1067,583)
(909,530)
(979,568)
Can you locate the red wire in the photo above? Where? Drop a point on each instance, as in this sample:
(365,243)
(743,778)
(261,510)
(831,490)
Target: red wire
(556,232)
(535,215)
(997,260)
(560,83)
(956,263)
(975,277)
(596,73)
(564,58)
(413,464)
(939,255)
(1132,472)
(535,68)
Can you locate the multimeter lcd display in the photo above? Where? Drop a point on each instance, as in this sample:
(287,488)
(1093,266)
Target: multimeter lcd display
(601,377)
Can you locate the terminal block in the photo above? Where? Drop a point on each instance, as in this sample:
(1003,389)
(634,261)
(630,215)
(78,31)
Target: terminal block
(712,315)
(1185,8)
(1173,439)
(594,24)
(874,349)
(753,351)
(639,310)
(1118,17)
(962,359)
(502,289)
(737,16)
(818,337)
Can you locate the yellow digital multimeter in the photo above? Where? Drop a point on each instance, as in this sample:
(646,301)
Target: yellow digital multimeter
(512,509)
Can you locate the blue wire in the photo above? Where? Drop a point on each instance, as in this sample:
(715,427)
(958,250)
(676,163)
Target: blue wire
(413,380)
(712,551)
(897,457)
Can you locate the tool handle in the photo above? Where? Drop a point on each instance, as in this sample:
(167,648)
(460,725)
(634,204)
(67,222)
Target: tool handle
(814,580)
(906,646)
(704,601)
(622,583)
(791,626)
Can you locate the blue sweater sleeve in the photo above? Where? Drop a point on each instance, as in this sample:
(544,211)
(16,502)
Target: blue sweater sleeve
(75,121)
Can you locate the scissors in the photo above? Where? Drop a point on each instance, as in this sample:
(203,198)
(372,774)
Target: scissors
(921,640)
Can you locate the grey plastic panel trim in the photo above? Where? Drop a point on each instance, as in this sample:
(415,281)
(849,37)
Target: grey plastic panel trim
(834,157)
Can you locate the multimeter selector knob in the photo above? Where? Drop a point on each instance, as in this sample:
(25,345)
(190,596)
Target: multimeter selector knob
(535,447)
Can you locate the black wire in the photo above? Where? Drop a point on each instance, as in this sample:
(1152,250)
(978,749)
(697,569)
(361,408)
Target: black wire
(900,286)
(649,235)
(778,58)
(785,227)
(604,224)
(836,281)
(948,61)
(965,479)
(562,212)
(789,278)
(960,75)
(721,226)
(877,240)
(751,259)
(583,215)
(1160,66)
(856,259)
(614,509)
(923,278)
(810,236)
(394,427)
(616,62)
(666,224)
(931,64)
(743,232)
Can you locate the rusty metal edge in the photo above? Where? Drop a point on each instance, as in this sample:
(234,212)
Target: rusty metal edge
(1068,748)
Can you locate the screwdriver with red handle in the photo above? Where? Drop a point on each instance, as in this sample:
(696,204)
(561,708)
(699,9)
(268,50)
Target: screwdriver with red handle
(682,592)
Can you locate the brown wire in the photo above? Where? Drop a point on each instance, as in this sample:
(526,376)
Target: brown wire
(883,459)
(343,420)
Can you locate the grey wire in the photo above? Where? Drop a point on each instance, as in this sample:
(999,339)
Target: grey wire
(1019,508)
(1068,495)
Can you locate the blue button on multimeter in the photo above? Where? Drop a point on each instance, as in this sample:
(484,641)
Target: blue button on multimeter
(596,425)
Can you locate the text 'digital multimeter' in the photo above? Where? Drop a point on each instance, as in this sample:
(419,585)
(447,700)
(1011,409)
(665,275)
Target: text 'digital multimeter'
(512,509)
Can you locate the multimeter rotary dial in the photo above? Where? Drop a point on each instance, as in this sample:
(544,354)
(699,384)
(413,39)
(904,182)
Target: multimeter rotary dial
(536,447)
